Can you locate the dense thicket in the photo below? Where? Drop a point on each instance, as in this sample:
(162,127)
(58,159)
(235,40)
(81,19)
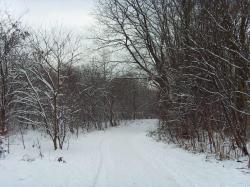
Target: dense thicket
(197,53)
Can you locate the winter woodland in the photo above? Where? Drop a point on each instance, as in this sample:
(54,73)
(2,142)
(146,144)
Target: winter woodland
(185,63)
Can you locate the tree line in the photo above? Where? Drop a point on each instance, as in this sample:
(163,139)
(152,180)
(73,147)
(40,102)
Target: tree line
(197,53)
(47,85)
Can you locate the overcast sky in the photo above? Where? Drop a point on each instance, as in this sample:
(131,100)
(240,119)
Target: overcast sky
(69,13)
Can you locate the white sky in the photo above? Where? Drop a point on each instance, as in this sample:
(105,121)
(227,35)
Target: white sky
(37,13)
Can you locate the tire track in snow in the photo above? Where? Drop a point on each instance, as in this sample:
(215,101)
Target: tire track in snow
(154,169)
(165,165)
(148,170)
(100,164)
(169,173)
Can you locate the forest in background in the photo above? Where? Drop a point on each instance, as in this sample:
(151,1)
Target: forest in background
(191,70)
(46,84)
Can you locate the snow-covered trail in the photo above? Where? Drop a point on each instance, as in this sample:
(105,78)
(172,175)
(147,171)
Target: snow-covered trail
(118,157)
(123,163)
(129,158)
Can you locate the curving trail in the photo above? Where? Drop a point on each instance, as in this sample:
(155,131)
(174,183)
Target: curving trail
(130,158)
(118,157)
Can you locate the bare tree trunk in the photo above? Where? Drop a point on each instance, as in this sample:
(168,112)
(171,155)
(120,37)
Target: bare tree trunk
(3,122)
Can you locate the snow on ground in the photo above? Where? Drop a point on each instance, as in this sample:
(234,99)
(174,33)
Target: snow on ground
(118,157)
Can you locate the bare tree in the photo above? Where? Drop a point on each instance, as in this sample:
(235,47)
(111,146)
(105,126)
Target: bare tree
(54,55)
(12,37)
(197,54)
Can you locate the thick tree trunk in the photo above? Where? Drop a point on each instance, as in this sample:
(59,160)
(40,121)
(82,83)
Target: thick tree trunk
(55,123)
(3,129)
(55,143)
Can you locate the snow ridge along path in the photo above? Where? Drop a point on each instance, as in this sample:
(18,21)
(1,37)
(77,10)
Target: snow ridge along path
(118,157)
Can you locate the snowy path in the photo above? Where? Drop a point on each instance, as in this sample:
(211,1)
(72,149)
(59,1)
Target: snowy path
(118,157)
